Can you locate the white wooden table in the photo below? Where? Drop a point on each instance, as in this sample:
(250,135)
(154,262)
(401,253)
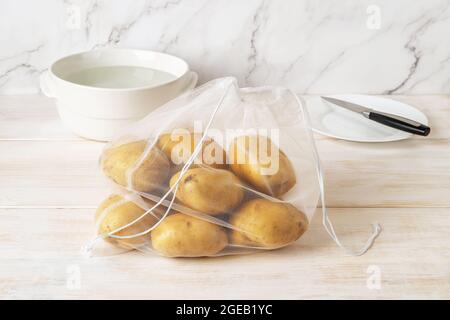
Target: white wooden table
(50,185)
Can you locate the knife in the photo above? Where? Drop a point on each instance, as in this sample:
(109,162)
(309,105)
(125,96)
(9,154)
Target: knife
(387,119)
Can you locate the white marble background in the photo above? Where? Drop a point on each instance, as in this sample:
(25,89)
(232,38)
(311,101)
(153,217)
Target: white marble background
(312,46)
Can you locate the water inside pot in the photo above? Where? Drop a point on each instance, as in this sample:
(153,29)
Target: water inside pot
(120,77)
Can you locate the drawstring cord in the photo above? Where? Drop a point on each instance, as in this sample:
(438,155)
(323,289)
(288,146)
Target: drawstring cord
(326,222)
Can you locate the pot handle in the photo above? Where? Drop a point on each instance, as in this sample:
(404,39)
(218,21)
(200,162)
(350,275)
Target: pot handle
(192,81)
(46,85)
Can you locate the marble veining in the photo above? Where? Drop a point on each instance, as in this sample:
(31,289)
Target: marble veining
(326,46)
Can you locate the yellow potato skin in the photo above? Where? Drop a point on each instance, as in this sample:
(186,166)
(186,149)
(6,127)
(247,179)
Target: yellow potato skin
(186,142)
(247,165)
(118,215)
(180,235)
(208,190)
(152,173)
(268,224)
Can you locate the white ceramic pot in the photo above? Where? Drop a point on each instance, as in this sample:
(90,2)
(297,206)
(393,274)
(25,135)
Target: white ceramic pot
(99,113)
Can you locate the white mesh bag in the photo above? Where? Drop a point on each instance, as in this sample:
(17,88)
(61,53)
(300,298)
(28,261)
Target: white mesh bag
(219,170)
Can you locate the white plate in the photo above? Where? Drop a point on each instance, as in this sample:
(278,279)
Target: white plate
(334,121)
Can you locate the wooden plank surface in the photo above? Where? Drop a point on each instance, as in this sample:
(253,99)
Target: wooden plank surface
(31,117)
(414,173)
(50,184)
(50,174)
(35,117)
(41,248)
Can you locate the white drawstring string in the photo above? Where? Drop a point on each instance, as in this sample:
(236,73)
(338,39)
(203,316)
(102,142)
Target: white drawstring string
(329,225)
(326,222)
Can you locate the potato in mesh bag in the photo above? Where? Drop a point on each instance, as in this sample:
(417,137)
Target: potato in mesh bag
(136,166)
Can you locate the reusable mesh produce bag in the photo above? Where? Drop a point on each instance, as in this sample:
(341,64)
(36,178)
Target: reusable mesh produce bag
(219,170)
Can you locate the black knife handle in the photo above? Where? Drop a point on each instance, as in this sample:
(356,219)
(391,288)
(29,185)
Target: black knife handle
(390,121)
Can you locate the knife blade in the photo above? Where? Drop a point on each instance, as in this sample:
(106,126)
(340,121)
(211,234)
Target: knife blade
(387,119)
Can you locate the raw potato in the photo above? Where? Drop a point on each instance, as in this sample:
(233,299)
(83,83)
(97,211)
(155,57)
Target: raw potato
(116,212)
(151,174)
(180,147)
(248,164)
(267,223)
(180,235)
(208,190)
